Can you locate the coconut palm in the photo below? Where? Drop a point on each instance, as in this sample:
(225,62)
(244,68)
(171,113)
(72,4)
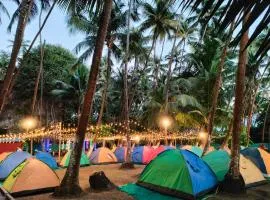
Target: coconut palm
(230,13)
(72,91)
(70,184)
(24,11)
(160,20)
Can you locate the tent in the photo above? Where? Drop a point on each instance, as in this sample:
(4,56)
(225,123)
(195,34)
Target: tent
(47,158)
(178,173)
(195,149)
(31,176)
(250,173)
(4,155)
(260,158)
(65,160)
(120,153)
(219,162)
(142,154)
(11,162)
(102,155)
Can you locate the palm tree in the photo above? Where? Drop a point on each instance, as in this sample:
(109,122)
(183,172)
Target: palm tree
(4,10)
(161,21)
(25,8)
(89,25)
(216,88)
(72,91)
(70,184)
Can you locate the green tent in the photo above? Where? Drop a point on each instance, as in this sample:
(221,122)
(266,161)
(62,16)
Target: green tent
(83,162)
(219,162)
(178,173)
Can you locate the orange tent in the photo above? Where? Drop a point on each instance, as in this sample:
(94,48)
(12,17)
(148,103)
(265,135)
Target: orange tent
(31,176)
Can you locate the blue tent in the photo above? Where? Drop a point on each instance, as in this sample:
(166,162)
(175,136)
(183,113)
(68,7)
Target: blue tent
(254,155)
(142,154)
(11,162)
(120,153)
(47,158)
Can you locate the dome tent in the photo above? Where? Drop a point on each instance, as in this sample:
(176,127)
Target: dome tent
(4,155)
(142,154)
(65,160)
(219,162)
(31,176)
(47,158)
(102,155)
(120,153)
(260,158)
(11,162)
(195,149)
(178,173)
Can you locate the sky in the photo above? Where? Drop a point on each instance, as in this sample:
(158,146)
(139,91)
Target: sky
(54,32)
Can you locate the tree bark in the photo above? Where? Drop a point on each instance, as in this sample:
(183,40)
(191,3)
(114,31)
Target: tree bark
(15,75)
(26,6)
(105,90)
(125,70)
(234,172)
(227,137)
(40,68)
(38,78)
(169,76)
(265,120)
(216,89)
(70,184)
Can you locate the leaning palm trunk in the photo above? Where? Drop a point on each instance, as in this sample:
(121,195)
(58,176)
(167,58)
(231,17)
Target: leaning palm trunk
(233,182)
(15,75)
(228,135)
(169,76)
(26,6)
(128,163)
(70,184)
(216,89)
(40,68)
(105,90)
(38,78)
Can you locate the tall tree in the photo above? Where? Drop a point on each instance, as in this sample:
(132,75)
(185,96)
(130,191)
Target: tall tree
(217,87)
(233,176)
(25,8)
(70,184)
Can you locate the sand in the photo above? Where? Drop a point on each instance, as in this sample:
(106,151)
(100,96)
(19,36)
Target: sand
(113,172)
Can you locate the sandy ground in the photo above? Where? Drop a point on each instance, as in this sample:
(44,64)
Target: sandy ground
(121,177)
(113,172)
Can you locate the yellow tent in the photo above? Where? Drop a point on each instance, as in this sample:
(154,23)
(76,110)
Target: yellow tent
(250,173)
(31,176)
(4,155)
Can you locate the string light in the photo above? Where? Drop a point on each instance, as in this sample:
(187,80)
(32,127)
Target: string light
(110,131)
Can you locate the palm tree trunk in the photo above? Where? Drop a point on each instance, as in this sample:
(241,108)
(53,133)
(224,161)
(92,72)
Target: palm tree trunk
(40,68)
(250,113)
(26,6)
(169,76)
(70,184)
(216,89)
(104,92)
(37,79)
(227,137)
(126,113)
(40,28)
(15,75)
(234,172)
(265,120)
